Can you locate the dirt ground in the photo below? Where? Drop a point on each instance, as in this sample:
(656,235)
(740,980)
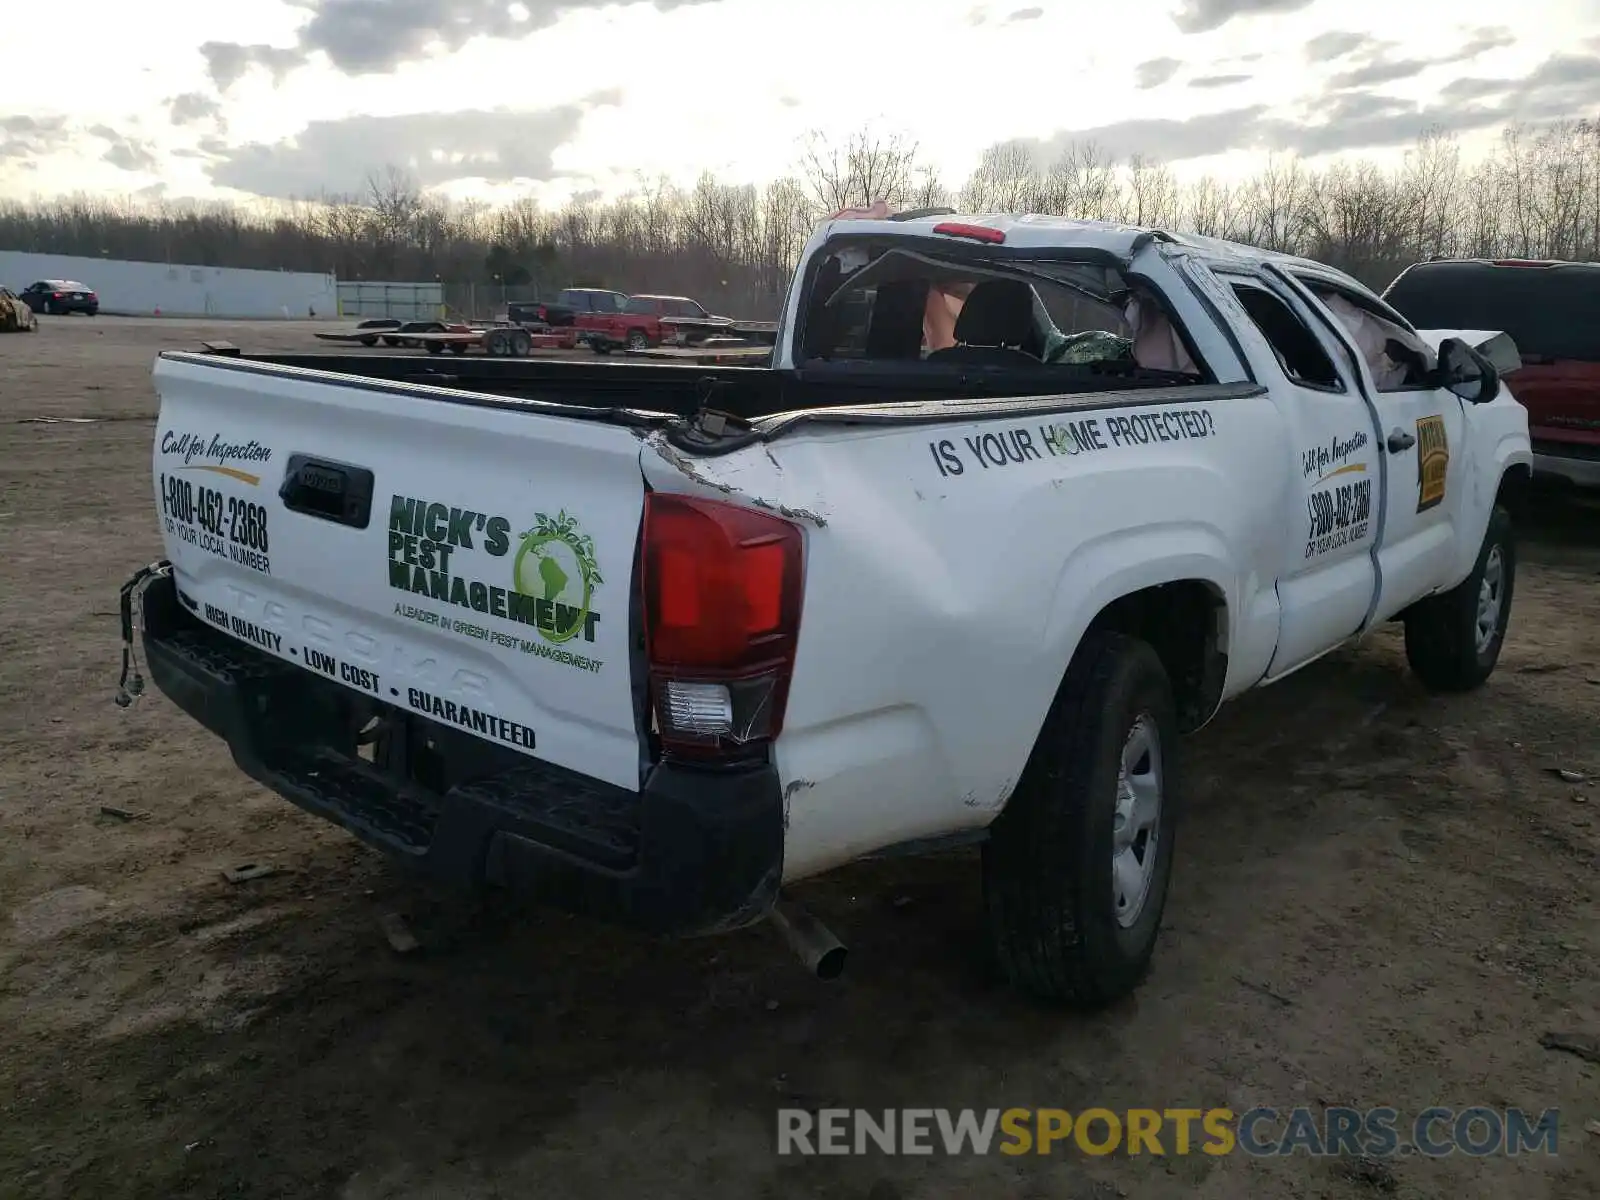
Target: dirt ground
(1381,898)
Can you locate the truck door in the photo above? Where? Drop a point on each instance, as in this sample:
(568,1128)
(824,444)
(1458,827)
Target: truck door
(1326,577)
(1423,429)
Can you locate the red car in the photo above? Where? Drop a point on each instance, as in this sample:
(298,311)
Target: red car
(1552,312)
(647,321)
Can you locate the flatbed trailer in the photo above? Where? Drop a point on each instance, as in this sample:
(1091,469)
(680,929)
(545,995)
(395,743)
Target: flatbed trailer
(498,341)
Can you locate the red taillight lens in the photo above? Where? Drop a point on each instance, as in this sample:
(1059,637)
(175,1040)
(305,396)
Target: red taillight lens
(722,589)
(55,295)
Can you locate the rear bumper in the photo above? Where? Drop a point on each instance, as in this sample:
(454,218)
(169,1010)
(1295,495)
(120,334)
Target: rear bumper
(693,852)
(1577,464)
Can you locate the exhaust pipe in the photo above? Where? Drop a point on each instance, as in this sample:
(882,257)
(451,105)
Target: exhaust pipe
(811,940)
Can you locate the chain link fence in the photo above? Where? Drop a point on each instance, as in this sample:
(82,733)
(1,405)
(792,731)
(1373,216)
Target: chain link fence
(400,300)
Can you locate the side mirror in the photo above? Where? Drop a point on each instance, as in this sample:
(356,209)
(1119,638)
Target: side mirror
(1466,372)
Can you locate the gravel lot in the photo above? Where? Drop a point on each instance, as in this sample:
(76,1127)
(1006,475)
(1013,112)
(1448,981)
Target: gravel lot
(1382,898)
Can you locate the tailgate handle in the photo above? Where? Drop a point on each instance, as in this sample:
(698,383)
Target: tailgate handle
(331,491)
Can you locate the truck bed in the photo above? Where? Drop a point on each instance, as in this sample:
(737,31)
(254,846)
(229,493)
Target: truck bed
(684,388)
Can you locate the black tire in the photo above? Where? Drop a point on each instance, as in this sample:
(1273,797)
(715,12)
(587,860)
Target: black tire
(458,347)
(1442,643)
(391,341)
(369,341)
(1047,866)
(435,347)
(521,343)
(599,347)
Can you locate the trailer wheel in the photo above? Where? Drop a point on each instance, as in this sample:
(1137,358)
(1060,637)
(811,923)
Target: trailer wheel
(494,343)
(521,343)
(391,341)
(458,347)
(369,341)
(435,347)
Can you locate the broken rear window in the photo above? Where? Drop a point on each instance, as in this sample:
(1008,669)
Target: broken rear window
(894,303)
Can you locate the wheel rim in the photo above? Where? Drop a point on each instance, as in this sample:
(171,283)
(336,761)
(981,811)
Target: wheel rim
(1491,597)
(1136,825)
(636,341)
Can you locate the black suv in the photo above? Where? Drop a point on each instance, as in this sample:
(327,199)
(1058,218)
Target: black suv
(60,296)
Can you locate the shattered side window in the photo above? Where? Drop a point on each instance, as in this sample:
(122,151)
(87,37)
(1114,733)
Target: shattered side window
(1397,358)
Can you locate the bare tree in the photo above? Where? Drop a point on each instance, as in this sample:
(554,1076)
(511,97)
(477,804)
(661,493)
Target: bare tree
(867,167)
(734,245)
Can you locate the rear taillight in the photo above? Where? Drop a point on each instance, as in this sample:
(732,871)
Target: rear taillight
(55,296)
(722,589)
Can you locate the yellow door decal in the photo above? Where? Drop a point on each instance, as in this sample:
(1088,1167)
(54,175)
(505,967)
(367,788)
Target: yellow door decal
(1433,461)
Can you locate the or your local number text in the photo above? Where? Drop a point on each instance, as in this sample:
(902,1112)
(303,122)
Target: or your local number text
(238,520)
(1338,516)
(219,524)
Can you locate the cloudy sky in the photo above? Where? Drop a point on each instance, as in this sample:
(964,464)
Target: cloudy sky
(286,98)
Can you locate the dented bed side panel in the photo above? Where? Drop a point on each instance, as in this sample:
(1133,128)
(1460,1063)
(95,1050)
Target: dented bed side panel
(951,570)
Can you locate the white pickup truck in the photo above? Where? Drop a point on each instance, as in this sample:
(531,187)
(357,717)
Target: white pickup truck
(1019,502)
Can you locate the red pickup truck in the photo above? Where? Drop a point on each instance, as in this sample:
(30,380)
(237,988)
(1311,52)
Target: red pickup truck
(1552,312)
(647,321)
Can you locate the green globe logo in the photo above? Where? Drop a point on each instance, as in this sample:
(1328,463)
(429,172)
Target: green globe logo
(556,563)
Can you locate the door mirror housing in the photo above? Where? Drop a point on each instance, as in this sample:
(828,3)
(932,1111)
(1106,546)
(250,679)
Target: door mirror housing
(1466,372)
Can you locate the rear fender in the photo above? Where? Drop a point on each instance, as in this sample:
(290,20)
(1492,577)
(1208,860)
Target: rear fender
(1131,561)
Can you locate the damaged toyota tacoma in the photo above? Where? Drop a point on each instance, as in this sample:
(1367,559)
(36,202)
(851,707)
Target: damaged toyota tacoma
(1019,503)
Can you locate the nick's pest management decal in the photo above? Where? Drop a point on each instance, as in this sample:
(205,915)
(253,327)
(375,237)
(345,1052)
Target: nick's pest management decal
(198,513)
(1070,438)
(543,578)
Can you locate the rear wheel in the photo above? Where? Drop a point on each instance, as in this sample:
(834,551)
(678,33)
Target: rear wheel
(1076,869)
(638,340)
(521,343)
(1453,640)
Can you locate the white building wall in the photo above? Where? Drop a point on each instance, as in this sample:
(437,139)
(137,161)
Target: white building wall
(179,290)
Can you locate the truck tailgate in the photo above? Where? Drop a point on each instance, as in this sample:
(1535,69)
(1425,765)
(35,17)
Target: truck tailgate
(469,562)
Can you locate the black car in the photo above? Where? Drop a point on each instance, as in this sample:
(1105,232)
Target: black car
(60,296)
